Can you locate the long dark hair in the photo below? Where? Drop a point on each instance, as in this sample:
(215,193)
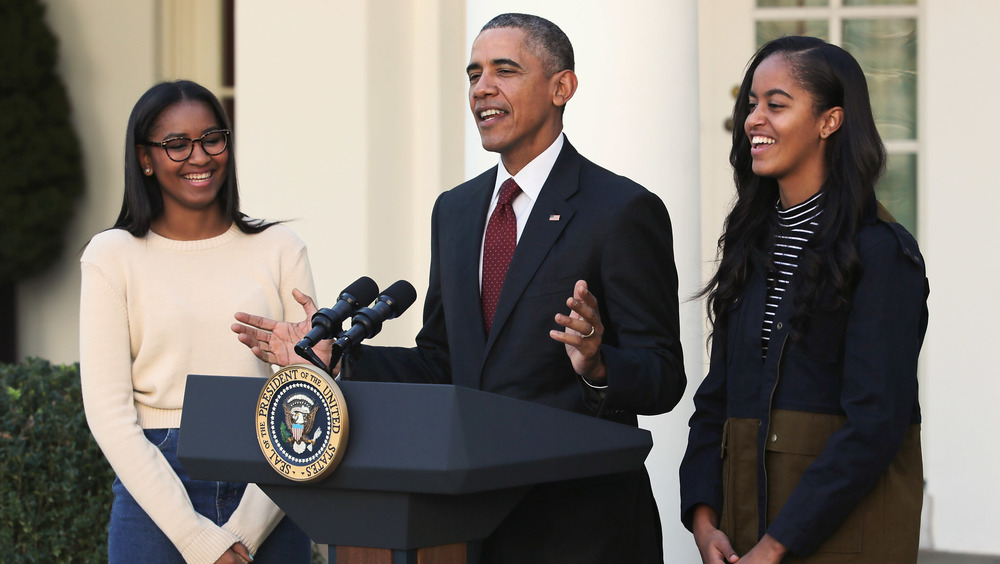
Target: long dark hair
(855,158)
(143,202)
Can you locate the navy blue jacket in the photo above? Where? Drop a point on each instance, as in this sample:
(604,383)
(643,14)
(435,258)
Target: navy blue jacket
(858,361)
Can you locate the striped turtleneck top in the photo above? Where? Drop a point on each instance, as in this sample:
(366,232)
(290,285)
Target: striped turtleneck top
(795,226)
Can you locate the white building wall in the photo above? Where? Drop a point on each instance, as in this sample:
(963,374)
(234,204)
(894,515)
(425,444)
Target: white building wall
(357,111)
(348,123)
(302,135)
(960,375)
(107,56)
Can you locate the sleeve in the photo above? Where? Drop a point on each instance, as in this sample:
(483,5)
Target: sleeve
(641,348)
(257,515)
(879,394)
(106,379)
(701,467)
(429,361)
(254,519)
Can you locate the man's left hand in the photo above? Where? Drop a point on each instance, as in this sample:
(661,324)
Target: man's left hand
(582,333)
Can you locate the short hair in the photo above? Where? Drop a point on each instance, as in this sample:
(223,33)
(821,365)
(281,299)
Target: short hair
(544,39)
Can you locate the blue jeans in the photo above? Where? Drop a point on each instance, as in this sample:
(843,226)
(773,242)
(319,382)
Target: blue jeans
(133,537)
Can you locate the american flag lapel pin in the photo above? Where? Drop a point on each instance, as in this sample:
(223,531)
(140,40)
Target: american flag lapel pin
(554,217)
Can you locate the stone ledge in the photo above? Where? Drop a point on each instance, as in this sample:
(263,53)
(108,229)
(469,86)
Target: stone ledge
(934,557)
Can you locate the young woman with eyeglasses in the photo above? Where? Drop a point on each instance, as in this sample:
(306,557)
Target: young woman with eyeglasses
(158,293)
(805,441)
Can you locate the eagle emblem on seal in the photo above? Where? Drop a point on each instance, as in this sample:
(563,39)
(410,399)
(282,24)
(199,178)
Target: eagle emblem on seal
(300,418)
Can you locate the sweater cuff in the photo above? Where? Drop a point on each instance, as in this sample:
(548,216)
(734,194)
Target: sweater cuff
(208,546)
(254,519)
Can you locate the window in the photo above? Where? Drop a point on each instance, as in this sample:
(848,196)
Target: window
(196,42)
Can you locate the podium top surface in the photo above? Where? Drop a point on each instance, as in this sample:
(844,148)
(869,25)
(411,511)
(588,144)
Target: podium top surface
(418,438)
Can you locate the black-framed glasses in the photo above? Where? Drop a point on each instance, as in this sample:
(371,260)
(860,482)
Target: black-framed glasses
(179,149)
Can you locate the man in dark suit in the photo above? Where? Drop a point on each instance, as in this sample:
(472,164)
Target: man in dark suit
(580,230)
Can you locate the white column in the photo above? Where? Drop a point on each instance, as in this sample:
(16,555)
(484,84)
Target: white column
(348,122)
(636,113)
(301,128)
(960,377)
(104,74)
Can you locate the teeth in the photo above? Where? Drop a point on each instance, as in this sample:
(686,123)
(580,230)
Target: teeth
(761,140)
(489,113)
(202,176)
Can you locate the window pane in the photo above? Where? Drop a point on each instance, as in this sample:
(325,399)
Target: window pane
(897,190)
(887,50)
(790,3)
(879,2)
(768,30)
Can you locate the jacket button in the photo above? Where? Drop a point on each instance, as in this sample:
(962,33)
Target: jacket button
(774,438)
(779,325)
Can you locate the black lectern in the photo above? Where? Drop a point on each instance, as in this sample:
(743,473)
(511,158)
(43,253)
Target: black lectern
(429,467)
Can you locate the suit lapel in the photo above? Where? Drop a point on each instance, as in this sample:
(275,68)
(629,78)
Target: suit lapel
(460,274)
(540,233)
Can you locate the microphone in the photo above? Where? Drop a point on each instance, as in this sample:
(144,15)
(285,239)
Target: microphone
(367,322)
(327,322)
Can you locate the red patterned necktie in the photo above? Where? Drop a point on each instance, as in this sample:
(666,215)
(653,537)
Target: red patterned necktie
(498,248)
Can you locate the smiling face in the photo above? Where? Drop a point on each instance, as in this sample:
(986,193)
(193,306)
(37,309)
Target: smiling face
(787,136)
(193,184)
(517,108)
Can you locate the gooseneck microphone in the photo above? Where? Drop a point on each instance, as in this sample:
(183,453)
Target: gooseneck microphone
(367,322)
(326,323)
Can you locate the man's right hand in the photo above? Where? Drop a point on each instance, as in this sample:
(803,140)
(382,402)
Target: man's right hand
(274,341)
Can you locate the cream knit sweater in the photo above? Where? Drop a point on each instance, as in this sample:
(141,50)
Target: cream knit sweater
(152,311)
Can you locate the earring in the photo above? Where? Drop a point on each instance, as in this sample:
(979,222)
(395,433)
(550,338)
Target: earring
(149,171)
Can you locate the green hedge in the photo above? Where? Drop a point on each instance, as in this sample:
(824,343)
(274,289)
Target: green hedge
(55,485)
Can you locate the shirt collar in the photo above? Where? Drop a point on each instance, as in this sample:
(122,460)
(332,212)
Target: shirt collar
(801,213)
(532,177)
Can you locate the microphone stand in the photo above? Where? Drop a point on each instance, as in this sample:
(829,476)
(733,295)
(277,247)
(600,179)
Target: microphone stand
(347,362)
(308,354)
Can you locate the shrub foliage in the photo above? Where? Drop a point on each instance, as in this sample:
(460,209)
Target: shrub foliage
(55,485)
(39,151)
(41,170)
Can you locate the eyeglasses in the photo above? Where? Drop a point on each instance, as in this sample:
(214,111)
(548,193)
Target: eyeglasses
(179,149)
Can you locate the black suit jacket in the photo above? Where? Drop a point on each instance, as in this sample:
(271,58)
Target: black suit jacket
(589,224)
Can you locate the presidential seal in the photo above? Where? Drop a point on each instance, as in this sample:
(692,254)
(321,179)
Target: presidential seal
(302,423)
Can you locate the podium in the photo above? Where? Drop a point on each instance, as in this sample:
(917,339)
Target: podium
(429,470)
